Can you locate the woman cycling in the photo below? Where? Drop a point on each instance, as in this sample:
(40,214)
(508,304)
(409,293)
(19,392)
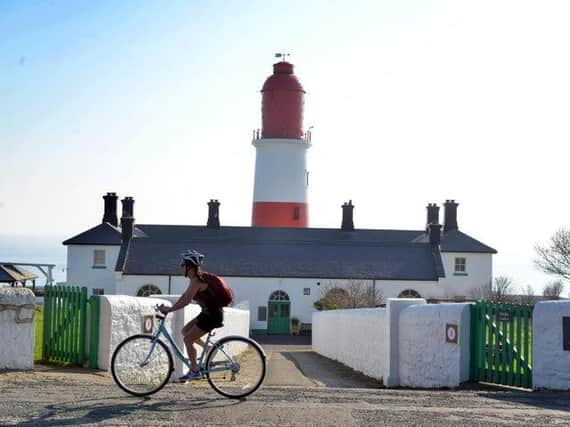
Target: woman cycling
(211,316)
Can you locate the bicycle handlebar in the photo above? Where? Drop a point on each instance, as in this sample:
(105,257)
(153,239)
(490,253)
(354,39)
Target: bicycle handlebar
(160,313)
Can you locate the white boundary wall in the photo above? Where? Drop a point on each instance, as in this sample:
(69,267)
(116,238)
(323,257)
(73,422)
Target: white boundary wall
(426,359)
(17,328)
(122,316)
(355,338)
(403,344)
(551,364)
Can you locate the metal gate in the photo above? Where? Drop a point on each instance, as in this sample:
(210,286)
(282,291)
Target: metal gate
(501,344)
(65,310)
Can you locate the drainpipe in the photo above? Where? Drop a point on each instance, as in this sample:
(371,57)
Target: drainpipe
(169,283)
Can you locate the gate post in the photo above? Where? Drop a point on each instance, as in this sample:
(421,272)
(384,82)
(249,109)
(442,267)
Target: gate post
(94,310)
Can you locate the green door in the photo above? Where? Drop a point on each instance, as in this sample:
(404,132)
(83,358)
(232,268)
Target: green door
(278,320)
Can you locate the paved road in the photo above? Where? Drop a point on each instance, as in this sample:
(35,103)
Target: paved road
(301,388)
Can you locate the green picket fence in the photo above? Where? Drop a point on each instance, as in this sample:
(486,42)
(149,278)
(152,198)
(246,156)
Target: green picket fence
(501,344)
(65,316)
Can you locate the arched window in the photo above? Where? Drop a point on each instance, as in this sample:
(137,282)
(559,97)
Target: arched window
(279,296)
(148,290)
(409,293)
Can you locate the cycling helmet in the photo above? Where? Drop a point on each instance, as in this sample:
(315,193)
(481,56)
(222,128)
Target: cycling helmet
(193,257)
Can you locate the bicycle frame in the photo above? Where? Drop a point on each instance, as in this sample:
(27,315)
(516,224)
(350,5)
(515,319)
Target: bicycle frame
(178,353)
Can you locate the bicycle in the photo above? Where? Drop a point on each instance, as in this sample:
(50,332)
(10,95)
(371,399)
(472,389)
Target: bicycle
(234,366)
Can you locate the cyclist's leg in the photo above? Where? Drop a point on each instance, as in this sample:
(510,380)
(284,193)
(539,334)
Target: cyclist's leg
(186,330)
(194,334)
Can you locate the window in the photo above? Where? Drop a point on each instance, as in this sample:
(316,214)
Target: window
(296,213)
(98,291)
(460,266)
(409,293)
(306,291)
(148,290)
(99,258)
(262,313)
(279,296)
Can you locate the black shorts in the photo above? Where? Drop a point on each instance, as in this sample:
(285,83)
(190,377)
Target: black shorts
(212,319)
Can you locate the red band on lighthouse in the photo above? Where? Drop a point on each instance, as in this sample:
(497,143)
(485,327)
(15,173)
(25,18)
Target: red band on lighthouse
(275,214)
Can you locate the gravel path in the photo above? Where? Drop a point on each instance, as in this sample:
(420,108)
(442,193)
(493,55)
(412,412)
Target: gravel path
(55,397)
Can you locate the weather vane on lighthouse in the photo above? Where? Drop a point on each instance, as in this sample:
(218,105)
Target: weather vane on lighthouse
(282,55)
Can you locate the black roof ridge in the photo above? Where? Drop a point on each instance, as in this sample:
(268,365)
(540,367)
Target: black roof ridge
(278,228)
(305,242)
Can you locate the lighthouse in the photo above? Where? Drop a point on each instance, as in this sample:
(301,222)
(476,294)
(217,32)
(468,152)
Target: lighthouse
(281,175)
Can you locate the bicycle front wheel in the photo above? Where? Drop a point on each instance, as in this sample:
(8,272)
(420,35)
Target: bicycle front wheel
(235,367)
(140,366)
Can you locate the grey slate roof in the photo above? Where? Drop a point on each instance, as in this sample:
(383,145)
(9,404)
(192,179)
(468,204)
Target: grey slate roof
(456,241)
(285,252)
(102,234)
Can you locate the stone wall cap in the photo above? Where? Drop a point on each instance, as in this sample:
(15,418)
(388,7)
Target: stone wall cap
(16,296)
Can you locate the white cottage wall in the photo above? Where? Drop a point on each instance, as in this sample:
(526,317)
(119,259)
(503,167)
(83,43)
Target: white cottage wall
(256,291)
(393,288)
(82,272)
(478,275)
(131,284)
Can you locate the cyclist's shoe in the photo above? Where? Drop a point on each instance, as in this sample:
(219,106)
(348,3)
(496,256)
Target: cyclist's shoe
(191,375)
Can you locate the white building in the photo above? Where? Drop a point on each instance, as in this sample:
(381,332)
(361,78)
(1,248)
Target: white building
(281,272)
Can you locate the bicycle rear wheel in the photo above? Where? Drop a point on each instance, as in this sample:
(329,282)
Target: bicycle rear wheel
(140,366)
(235,367)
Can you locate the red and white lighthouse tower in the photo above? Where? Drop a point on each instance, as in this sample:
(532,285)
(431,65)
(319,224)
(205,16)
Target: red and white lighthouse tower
(281,175)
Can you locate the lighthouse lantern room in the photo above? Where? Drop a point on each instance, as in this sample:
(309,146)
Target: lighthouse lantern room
(281,175)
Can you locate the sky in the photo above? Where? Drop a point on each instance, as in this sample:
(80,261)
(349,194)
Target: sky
(411,102)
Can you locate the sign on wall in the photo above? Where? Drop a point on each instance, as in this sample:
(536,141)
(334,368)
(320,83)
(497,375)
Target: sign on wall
(566,333)
(503,316)
(148,324)
(451,333)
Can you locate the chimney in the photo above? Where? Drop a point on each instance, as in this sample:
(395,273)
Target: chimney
(347,222)
(127,220)
(434,231)
(110,214)
(213,214)
(450,220)
(432,215)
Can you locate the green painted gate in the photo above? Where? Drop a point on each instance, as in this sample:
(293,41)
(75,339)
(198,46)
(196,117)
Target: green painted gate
(278,319)
(65,312)
(501,344)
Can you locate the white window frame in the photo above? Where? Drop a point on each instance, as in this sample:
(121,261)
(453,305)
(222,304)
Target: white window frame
(458,264)
(97,260)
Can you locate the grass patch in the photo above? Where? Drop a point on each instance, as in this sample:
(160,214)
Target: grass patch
(39,334)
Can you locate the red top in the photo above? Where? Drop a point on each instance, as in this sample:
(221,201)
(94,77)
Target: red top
(282,104)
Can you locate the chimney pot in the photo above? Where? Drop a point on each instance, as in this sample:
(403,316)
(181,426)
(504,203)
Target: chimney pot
(434,231)
(347,216)
(110,213)
(432,214)
(450,216)
(127,220)
(213,214)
